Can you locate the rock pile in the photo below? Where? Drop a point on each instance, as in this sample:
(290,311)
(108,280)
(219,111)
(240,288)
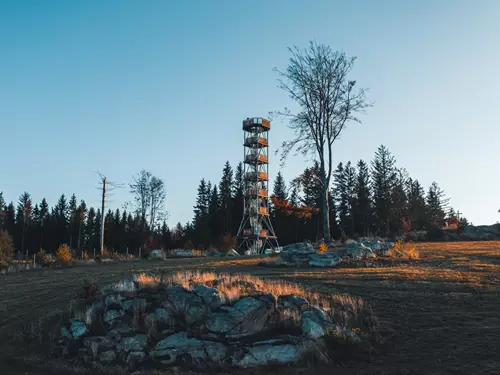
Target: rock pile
(304,254)
(133,323)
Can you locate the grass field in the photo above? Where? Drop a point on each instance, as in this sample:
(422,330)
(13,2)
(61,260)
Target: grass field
(439,315)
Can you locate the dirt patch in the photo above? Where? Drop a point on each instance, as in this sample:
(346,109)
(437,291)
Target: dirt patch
(439,315)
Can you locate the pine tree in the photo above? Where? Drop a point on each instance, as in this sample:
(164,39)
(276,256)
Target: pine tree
(80,216)
(340,196)
(383,177)
(44,220)
(350,192)
(238,192)
(214,215)
(279,187)
(226,197)
(23,219)
(416,205)
(399,208)
(61,221)
(363,208)
(436,206)
(72,220)
(2,201)
(201,214)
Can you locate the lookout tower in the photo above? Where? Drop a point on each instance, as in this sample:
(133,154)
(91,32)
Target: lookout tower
(256,232)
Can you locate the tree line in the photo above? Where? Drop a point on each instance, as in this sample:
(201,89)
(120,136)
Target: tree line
(367,198)
(376,198)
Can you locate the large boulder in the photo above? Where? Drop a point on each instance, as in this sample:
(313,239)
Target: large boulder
(315,323)
(187,306)
(129,344)
(77,329)
(211,297)
(247,317)
(132,305)
(169,349)
(156,255)
(298,248)
(293,302)
(268,354)
(111,316)
(324,260)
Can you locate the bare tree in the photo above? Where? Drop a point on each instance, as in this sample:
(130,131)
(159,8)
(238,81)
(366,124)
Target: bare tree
(157,197)
(140,189)
(316,79)
(149,197)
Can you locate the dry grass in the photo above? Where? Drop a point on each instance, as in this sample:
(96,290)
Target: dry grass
(348,310)
(146,280)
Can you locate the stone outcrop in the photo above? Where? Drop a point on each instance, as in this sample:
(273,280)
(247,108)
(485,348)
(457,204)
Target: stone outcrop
(199,326)
(304,254)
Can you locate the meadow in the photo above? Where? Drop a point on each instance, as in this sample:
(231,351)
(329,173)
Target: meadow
(438,314)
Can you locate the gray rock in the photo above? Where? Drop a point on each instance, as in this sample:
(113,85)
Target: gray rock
(134,358)
(293,302)
(160,316)
(98,343)
(135,304)
(211,297)
(123,286)
(113,302)
(315,323)
(324,260)
(232,253)
(188,306)
(265,354)
(111,315)
(246,317)
(176,344)
(199,350)
(215,352)
(93,311)
(65,332)
(156,255)
(136,343)
(298,248)
(77,329)
(107,357)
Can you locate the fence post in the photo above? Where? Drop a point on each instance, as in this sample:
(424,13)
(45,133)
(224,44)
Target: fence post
(127,252)
(140,248)
(34,260)
(94,252)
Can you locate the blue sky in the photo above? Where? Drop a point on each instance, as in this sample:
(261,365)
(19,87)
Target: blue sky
(118,86)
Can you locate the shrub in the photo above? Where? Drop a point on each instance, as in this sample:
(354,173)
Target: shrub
(6,246)
(64,254)
(42,257)
(105,253)
(404,250)
(323,248)
(85,255)
(188,245)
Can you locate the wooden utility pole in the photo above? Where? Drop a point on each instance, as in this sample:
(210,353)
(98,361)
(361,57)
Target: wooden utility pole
(106,187)
(103,213)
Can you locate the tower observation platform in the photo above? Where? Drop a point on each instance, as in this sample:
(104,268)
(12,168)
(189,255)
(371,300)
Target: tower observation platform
(256,232)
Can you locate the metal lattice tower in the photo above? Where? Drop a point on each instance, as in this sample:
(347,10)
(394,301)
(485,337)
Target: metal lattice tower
(256,232)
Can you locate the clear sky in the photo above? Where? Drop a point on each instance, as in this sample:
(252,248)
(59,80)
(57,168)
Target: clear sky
(118,86)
